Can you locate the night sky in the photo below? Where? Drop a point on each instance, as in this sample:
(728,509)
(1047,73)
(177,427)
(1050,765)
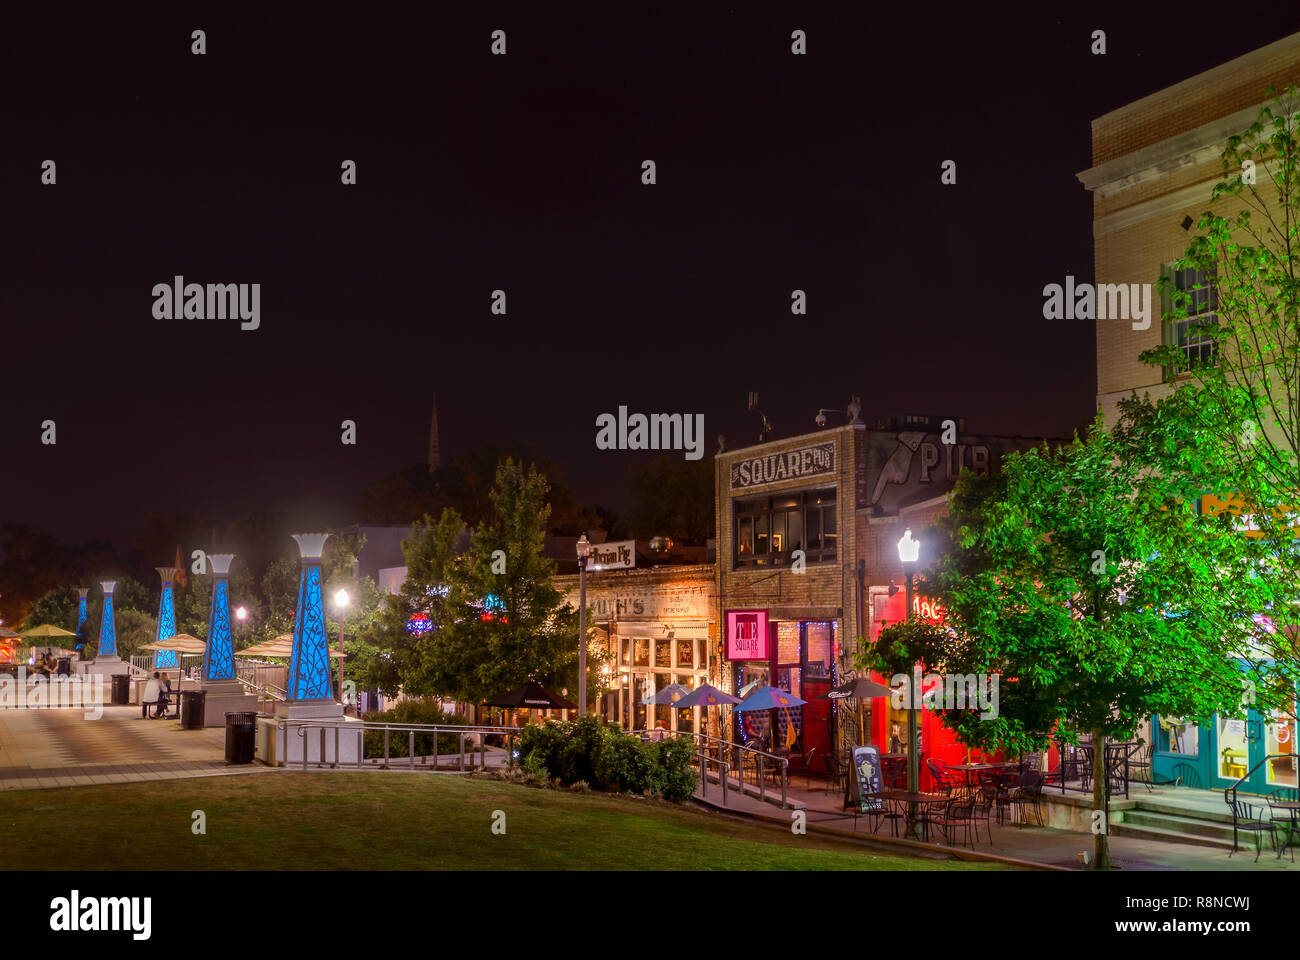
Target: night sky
(523,172)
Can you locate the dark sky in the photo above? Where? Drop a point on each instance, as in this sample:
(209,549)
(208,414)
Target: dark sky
(522,172)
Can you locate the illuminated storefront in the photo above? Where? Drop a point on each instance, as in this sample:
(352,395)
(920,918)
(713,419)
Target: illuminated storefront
(807,563)
(653,625)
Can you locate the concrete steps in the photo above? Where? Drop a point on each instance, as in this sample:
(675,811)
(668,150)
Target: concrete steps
(1154,825)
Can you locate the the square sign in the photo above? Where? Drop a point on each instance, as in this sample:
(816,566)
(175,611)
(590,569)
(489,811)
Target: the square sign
(747,637)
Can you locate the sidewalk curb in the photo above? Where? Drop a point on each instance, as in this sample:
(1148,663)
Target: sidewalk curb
(890,843)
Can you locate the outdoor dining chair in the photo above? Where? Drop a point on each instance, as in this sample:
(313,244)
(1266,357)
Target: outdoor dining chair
(1249,818)
(957,814)
(1028,795)
(983,807)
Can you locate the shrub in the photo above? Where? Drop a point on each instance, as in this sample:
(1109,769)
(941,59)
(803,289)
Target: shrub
(589,753)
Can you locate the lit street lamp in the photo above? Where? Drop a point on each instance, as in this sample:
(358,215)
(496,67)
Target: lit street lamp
(908,552)
(241,614)
(584,551)
(341,601)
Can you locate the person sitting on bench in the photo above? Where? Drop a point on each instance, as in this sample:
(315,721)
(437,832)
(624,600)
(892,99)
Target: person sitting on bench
(164,695)
(149,695)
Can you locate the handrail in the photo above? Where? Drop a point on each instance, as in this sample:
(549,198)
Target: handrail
(741,749)
(1232,802)
(361,727)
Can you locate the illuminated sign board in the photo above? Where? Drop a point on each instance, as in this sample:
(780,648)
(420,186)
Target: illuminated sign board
(612,556)
(747,635)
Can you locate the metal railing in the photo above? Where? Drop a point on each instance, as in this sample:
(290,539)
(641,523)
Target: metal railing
(336,729)
(1230,793)
(737,754)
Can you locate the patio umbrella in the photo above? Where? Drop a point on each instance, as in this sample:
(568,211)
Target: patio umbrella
(181,643)
(7,634)
(769,698)
(705,695)
(669,694)
(858,689)
(46,630)
(531,696)
(772,698)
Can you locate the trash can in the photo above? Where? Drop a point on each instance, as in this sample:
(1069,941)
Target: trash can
(192,702)
(241,734)
(121,689)
(65,666)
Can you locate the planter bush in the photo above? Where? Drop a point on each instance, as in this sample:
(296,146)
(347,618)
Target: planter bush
(590,751)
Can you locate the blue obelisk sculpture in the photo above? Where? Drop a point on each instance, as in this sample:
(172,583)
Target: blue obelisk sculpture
(166,659)
(219,657)
(107,625)
(81,617)
(309,672)
(107,663)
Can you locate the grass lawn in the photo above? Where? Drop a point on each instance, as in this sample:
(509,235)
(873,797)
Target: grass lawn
(401,821)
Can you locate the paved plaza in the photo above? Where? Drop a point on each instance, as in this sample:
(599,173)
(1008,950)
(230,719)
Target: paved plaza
(62,748)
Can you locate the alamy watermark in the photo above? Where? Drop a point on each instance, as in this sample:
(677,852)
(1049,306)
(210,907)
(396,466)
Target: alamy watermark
(1109,301)
(34,692)
(949,691)
(658,431)
(179,300)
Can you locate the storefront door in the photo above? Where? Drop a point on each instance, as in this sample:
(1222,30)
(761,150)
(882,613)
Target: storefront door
(1242,748)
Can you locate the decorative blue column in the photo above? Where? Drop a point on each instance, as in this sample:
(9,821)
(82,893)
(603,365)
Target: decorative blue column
(309,673)
(219,657)
(107,625)
(166,619)
(81,617)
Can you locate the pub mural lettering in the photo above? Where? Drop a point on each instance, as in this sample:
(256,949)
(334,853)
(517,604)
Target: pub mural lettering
(913,465)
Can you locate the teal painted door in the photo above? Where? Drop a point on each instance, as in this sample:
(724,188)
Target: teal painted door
(1241,746)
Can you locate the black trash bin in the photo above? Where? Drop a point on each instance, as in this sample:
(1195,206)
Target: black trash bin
(241,731)
(65,667)
(192,702)
(121,689)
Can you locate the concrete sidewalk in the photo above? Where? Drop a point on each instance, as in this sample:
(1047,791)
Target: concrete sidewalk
(41,748)
(1039,845)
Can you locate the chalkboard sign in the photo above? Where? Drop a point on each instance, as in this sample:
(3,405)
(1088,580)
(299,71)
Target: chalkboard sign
(866,770)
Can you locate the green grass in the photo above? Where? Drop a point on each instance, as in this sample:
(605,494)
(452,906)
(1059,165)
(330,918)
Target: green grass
(398,821)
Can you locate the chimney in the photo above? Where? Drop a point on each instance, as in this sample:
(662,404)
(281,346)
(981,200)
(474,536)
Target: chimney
(435,455)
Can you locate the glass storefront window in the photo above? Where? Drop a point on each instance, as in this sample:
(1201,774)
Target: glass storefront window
(1179,736)
(663,653)
(642,653)
(638,708)
(820,648)
(1233,748)
(685,653)
(1279,736)
(787,642)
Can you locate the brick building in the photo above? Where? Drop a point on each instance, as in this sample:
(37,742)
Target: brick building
(808,563)
(1155,162)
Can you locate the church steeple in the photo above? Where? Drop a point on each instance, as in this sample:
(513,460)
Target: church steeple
(435,455)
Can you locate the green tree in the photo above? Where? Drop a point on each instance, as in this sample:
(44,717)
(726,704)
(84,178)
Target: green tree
(497,620)
(1094,589)
(672,497)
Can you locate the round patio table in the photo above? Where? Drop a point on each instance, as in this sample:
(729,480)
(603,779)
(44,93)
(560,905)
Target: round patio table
(915,803)
(1293,808)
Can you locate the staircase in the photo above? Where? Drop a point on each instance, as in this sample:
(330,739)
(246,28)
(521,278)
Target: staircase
(1182,815)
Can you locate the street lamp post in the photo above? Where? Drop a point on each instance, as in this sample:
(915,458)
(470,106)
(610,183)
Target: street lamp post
(584,551)
(341,601)
(908,552)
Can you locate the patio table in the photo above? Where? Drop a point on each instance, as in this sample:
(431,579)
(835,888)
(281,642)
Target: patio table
(1293,808)
(914,803)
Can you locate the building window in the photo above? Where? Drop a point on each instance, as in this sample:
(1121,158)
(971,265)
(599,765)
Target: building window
(769,529)
(1195,291)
